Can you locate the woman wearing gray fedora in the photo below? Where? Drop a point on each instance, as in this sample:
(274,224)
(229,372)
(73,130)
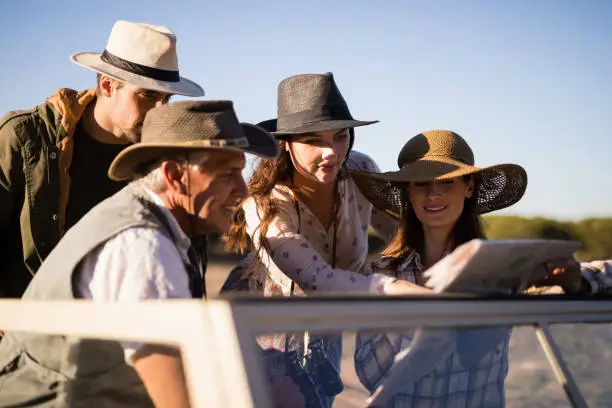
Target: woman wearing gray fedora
(305,219)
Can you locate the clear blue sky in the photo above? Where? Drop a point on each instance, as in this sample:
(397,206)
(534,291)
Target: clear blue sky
(523,81)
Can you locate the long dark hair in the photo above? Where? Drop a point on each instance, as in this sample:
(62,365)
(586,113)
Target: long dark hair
(266,176)
(410,234)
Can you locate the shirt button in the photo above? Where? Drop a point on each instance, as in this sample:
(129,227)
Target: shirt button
(53,155)
(54,217)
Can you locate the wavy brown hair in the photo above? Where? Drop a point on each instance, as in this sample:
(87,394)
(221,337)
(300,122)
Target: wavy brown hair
(266,176)
(410,234)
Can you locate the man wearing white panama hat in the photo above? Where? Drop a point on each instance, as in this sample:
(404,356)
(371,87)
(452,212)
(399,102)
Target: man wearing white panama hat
(54,158)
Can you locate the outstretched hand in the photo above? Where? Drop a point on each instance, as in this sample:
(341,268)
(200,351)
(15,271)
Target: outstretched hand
(564,273)
(401,287)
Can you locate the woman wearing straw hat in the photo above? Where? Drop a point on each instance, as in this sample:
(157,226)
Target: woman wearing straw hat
(307,221)
(438,196)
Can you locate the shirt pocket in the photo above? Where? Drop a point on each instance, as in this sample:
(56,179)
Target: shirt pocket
(24,380)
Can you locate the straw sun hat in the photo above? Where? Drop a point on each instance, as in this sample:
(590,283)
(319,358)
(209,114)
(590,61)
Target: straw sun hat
(440,155)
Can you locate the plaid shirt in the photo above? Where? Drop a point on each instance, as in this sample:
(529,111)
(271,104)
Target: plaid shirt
(468,377)
(599,275)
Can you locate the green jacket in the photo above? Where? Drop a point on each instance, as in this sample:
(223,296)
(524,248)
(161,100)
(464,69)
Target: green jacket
(35,154)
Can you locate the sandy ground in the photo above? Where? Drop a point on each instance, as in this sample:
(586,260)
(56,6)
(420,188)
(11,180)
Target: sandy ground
(354,393)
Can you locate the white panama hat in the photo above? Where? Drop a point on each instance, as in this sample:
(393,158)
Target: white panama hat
(142,55)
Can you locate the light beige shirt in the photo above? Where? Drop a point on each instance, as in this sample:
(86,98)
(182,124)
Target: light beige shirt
(301,248)
(137,264)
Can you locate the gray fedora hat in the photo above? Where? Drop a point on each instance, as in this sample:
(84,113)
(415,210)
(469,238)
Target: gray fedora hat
(191,125)
(312,103)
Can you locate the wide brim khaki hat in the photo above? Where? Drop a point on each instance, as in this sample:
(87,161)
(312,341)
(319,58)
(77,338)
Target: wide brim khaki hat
(191,126)
(142,55)
(442,155)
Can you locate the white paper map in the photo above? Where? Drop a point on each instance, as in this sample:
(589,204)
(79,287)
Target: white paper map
(496,266)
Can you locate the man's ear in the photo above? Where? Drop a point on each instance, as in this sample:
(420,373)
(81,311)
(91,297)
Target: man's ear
(173,176)
(107,85)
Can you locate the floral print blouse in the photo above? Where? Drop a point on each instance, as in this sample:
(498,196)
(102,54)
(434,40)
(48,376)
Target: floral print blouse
(300,248)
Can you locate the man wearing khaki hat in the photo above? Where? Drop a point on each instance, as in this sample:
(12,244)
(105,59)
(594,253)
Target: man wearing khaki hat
(186,180)
(54,158)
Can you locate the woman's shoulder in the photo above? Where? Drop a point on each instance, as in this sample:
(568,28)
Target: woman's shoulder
(395,265)
(357,162)
(384,263)
(361,162)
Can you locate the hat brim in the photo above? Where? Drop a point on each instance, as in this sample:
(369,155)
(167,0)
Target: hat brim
(499,186)
(92,61)
(322,126)
(128,161)
(269,125)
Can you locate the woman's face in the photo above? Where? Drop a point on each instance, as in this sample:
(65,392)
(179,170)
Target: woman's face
(438,204)
(319,156)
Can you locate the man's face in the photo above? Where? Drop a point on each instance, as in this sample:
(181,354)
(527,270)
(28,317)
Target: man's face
(214,190)
(129,105)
